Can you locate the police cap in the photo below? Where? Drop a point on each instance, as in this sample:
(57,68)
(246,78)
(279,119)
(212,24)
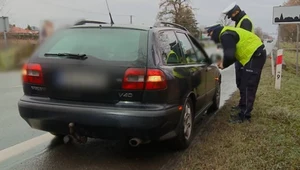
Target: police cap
(230,9)
(212,27)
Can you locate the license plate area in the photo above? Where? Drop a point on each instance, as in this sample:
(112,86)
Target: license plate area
(81,80)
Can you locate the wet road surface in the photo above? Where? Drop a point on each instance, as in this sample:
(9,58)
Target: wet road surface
(23,148)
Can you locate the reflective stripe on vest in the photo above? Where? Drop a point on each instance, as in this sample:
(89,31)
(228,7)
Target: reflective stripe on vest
(170,53)
(241,20)
(247,45)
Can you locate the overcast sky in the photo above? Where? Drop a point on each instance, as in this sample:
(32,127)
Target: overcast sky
(23,12)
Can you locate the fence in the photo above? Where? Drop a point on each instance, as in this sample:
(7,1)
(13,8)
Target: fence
(290,60)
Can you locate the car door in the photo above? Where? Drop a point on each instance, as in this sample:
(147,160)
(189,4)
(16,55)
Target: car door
(210,72)
(174,66)
(196,68)
(210,82)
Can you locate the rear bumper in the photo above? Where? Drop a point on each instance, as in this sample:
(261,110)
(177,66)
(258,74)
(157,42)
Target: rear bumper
(151,122)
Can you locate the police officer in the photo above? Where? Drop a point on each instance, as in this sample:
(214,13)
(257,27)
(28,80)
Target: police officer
(172,56)
(246,48)
(242,20)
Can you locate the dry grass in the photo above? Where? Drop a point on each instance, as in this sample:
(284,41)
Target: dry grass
(16,43)
(17,52)
(271,141)
(291,60)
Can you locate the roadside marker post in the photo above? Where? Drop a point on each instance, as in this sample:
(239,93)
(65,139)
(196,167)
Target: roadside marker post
(279,59)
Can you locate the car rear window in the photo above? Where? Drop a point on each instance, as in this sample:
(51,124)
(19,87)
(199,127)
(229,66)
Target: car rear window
(110,44)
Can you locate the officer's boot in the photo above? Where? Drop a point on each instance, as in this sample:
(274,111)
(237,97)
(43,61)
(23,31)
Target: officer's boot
(239,119)
(235,119)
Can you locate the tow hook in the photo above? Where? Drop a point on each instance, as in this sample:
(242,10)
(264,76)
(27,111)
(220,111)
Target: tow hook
(75,136)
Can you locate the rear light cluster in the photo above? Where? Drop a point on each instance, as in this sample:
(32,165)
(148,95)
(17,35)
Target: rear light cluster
(140,79)
(32,73)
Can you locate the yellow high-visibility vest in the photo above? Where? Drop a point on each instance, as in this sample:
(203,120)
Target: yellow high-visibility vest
(247,45)
(172,59)
(241,20)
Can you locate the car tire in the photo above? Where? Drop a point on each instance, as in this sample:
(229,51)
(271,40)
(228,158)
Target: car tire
(185,128)
(216,100)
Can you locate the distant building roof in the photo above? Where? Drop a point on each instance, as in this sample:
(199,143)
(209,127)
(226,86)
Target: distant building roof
(19,30)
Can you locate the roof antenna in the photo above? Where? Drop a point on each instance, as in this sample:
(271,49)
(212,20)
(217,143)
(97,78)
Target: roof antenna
(111,20)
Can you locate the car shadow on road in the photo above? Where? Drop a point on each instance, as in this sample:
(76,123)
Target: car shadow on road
(111,155)
(107,155)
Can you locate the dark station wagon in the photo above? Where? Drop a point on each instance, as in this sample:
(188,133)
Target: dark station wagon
(108,81)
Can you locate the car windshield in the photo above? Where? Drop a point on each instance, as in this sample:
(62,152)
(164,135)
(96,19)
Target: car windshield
(110,44)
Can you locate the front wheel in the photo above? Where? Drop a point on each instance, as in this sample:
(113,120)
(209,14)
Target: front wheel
(185,130)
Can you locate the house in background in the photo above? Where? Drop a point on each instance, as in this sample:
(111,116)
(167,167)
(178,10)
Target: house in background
(34,28)
(17,30)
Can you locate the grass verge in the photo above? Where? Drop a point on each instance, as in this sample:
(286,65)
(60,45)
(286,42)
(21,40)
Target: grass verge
(270,141)
(15,55)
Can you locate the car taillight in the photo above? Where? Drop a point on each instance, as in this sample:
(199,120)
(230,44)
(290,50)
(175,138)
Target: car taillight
(32,73)
(156,80)
(136,79)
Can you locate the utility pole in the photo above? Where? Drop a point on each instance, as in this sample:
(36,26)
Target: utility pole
(130,19)
(297,63)
(4,27)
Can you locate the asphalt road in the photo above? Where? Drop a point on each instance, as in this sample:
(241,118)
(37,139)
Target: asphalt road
(23,148)
(13,129)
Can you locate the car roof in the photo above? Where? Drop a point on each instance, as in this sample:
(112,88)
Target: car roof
(141,27)
(128,26)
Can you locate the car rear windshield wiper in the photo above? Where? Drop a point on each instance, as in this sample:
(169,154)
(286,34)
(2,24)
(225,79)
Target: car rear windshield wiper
(68,55)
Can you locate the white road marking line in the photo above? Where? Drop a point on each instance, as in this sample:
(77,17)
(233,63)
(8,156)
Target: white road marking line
(24,146)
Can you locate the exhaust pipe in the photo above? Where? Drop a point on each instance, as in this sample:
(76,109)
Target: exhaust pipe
(75,136)
(134,142)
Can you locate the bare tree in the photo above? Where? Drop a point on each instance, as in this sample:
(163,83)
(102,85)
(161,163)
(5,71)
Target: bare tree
(288,32)
(179,12)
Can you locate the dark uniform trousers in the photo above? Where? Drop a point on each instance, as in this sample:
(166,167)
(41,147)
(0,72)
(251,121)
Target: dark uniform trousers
(238,73)
(250,77)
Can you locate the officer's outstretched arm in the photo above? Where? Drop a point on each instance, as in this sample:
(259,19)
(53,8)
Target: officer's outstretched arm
(229,46)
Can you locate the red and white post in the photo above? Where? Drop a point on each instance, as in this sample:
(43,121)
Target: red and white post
(279,60)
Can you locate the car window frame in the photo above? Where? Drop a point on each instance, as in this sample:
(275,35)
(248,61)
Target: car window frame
(188,37)
(198,45)
(198,57)
(160,56)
